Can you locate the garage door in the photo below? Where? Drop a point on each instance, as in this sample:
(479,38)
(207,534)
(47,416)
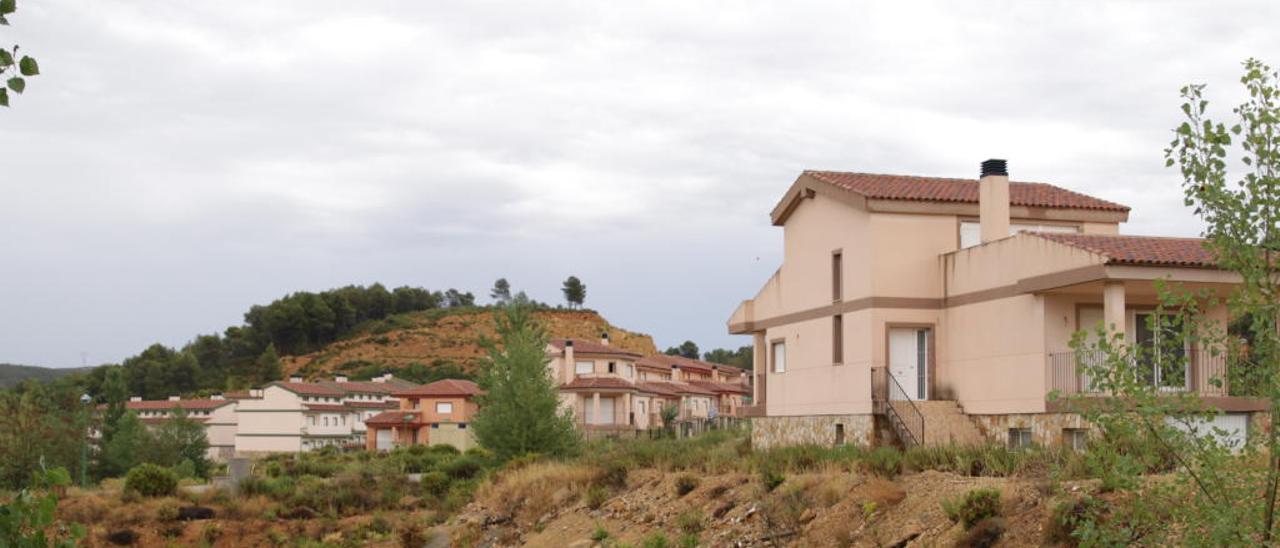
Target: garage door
(1234,427)
(384,440)
(606,412)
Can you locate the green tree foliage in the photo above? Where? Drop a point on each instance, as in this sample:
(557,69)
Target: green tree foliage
(28,519)
(269,366)
(150,480)
(437,371)
(176,441)
(41,424)
(123,449)
(742,358)
(520,412)
(575,292)
(688,349)
(501,292)
(458,299)
(14,69)
(1217,497)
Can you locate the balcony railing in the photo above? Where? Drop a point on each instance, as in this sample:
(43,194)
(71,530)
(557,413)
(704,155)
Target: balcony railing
(1196,370)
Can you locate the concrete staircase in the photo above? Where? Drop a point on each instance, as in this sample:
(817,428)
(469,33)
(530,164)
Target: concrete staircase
(945,423)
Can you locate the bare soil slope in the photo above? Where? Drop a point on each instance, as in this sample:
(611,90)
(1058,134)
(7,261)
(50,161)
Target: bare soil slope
(439,337)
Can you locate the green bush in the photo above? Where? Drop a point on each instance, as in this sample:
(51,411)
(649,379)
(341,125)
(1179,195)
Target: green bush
(771,479)
(884,461)
(613,474)
(435,483)
(984,534)
(444,449)
(1070,518)
(595,496)
(150,480)
(599,534)
(685,484)
(463,467)
(690,522)
(656,540)
(975,506)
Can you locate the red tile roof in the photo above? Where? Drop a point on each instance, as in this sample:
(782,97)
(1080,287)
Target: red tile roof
(676,388)
(588,347)
(659,388)
(361,387)
(325,407)
(372,404)
(161,420)
(392,418)
(1139,250)
(447,387)
(666,361)
(189,405)
(942,189)
(607,383)
(309,388)
(723,387)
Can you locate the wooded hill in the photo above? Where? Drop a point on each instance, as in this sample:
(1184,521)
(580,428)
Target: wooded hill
(11,375)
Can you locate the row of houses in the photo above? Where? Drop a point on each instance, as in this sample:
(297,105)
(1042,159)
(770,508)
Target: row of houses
(610,390)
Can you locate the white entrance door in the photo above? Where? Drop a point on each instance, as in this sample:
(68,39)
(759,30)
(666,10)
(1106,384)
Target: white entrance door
(384,440)
(909,360)
(606,411)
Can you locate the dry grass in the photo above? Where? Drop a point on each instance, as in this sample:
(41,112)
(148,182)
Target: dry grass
(882,492)
(530,492)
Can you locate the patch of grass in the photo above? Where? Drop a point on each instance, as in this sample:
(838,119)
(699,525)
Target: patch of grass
(685,484)
(884,461)
(984,534)
(973,507)
(691,522)
(595,497)
(656,540)
(599,534)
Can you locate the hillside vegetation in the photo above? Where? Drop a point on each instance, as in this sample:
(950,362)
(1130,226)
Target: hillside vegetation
(445,337)
(11,375)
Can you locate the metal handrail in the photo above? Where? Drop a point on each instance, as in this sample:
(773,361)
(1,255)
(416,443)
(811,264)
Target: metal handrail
(894,403)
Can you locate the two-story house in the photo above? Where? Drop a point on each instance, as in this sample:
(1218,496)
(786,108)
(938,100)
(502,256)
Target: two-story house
(706,389)
(944,307)
(437,413)
(216,414)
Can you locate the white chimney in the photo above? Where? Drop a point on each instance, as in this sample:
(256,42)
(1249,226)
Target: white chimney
(135,398)
(217,397)
(675,373)
(295,379)
(339,378)
(993,200)
(570,365)
(175,398)
(255,392)
(604,338)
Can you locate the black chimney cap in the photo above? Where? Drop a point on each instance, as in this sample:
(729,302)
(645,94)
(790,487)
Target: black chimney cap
(995,167)
(568,342)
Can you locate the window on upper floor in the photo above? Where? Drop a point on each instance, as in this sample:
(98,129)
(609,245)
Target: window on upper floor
(613,367)
(837,275)
(778,356)
(584,367)
(837,339)
(630,371)
(971,231)
(444,408)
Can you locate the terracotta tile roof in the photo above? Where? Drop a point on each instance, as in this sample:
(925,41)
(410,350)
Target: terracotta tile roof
(372,404)
(589,347)
(189,405)
(361,387)
(245,395)
(325,407)
(447,387)
(942,189)
(676,388)
(1139,250)
(666,361)
(659,388)
(392,418)
(309,388)
(607,383)
(723,387)
(161,420)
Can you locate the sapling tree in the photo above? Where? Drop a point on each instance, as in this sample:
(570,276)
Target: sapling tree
(1226,495)
(14,67)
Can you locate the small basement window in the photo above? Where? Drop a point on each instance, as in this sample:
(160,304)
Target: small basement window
(1075,438)
(839,434)
(1019,438)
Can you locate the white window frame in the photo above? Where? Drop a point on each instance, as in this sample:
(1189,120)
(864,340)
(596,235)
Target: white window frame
(778,366)
(589,364)
(444,408)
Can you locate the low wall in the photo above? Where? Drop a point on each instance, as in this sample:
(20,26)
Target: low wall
(769,432)
(1046,428)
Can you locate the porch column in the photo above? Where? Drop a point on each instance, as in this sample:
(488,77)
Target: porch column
(595,407)
(1113,307)
(759,368)
(626,409)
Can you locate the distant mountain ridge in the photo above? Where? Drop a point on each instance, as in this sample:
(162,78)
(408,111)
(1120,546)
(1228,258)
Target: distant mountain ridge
(12,374)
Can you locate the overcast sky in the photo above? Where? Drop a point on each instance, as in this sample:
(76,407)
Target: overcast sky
(179,161)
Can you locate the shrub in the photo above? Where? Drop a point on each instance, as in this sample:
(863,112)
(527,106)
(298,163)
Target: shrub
(690,522)
(167,511)
(595,496)
(689,540)
(685,484)
(984,534)
(444,449)
(464,467)
(150,480)
(1070,517)
(771,479)
(613,474)
(975,506)
(656,540)
(599,534)
(435,483)
(884,461)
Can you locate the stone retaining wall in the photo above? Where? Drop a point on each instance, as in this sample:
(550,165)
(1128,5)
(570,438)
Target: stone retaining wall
(769,432)
(1046,428)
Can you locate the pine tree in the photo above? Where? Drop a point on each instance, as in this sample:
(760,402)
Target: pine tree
(520,412)
(575,292)
(501,291)
(269,366)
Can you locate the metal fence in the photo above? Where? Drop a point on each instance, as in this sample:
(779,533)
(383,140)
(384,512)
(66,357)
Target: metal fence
(1200,371)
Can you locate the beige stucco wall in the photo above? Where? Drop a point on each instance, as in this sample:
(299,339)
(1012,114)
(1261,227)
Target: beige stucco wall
(220,431)
(272,423)
(994,355)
